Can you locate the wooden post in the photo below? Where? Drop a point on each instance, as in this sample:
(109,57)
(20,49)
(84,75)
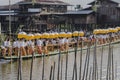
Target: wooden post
(66,66)
(31,66)
(53,71)
(59,56)
(81,60)
(101,64)
(50,78)
(43,67)
(0,27)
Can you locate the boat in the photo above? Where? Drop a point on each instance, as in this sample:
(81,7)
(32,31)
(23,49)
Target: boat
(54,53)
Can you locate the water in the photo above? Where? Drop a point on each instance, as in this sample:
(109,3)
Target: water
(8,71)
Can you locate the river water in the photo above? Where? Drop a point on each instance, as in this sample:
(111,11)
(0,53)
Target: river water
(9,71)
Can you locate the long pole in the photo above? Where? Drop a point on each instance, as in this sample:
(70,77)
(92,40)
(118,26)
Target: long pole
(75,67)
(108,75)
(53,71)
(43,66)
(90,73)
(75,62)
(85,65)
(20,66)
(88,61)
(9,18)
(112,64)
(10,24)
(31,67)
(81,60)
(116,71)
(58,65)
(108,65)
(94,77)
(61,68)
(31,71)
(0,28)
(101,64)
(94,55)
(19,77)
(66,66)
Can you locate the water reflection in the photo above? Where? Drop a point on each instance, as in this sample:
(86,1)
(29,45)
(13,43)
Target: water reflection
(9,71)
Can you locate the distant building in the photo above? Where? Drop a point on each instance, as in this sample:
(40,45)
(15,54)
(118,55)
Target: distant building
(9,13)
(40,15)
(44,12)
(80,17)
(107,11)
(44,15)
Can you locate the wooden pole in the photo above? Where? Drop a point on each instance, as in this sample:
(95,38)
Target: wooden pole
(58,65)
(19,65)
(108,66)
(53,71)
(10,25)
(31,70)
(75,62)
(88,61)
(10,18)
(112,63)
(81,60)
(61,68)
(95,60)
(73,73)
(85,65)
(43,66)
(18,77)
(108,75)
(101,64)
(116,71)
(94,76)
(90,73)
(66,66)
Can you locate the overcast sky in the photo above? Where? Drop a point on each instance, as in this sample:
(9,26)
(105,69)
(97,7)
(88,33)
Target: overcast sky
(74,2)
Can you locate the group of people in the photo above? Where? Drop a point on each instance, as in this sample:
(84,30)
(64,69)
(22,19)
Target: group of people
(28,47)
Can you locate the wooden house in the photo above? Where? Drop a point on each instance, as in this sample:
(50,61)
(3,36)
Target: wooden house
(38,16)
(80,19)
(107,11)
(9,17)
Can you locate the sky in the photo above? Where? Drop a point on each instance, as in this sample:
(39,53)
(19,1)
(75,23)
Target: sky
(73,2)
(6,2)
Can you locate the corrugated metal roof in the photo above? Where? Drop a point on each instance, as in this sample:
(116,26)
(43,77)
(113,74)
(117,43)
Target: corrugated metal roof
(47,2)
(12,11)
(7,12)
(118,1)
(115,1)
(84,12)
